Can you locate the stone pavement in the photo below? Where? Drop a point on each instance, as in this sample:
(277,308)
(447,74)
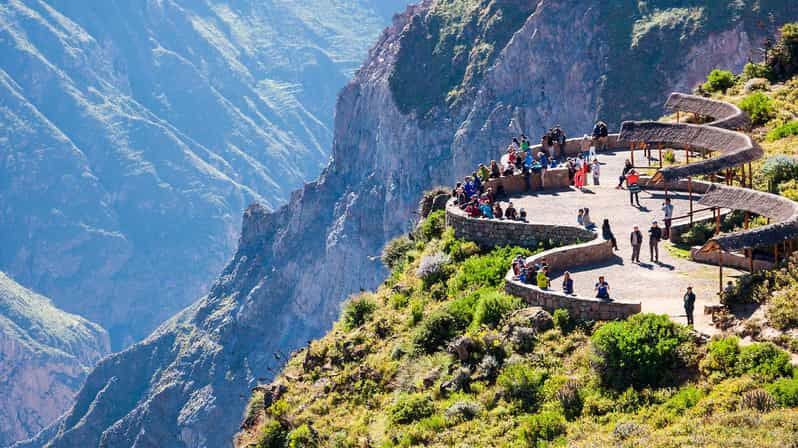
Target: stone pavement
(658,286)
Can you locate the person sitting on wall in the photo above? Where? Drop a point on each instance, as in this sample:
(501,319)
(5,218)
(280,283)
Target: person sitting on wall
(477,182)
(522,275)
(606,233)
(544,160)
(602,289)
(531,274)
(559,138)
(486,209)
(516,145)
(567,283)
(510,213)
(600,135)
(498,213)
(472,209)
(509,169)
(588,223)
(495,171)
(580,217)
(543,278)
(484,172)
(459,195)
(489,195)
(518,263)
(522,215)
(470,188)
(627,166)
(524,143)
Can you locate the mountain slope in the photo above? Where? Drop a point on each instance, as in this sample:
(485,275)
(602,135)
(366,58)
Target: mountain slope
(132,134)
(45,354)
(294,267)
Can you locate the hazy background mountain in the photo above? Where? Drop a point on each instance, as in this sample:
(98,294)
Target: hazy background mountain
(45,354)
(445,88)
(134,133)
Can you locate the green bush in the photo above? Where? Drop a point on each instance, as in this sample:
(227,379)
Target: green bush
(721,359)
(759,107)
(753,70)
(786,130)
(358,311)
(416,311)
(669,156)
(435,331)
(273,435)
(302,437)
(719,81)
(492,306)
(782,311)
(638,352)
(432,227)
(395,252)
(765,361)
(411,408)
(789,189)
(785,391)
(485,270)
(523,382)
(684,399)
(699,234)
(779,169)
(562,320)
(540,428)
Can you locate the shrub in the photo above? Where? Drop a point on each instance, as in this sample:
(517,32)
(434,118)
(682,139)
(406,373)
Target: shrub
(543,427)
(570,399)
(358,311)
(758,106)
(789,189)
(463,410)
(394,254)
(484,271)
(786,130)
(432,227)
(435,331)
(686,398)
(302,437)
(765,361)
(523,382)
(273,435)
(411,408)
(753,70)
(785,392)
(416,311)
(719,81)
(758,399)
(638,352)
(669,156)
(562,320)
(462,309)
(721,359)
(434,268)
(492,306)
(779,169)
(699,234)
(782,312)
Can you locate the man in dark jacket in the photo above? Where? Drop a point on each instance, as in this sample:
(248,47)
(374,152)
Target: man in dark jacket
(636,241)
(654,237)
(689,304)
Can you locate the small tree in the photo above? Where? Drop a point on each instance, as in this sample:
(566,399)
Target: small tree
(719,81)
(759,107)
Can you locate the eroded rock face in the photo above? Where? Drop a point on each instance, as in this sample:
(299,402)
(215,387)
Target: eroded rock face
(45,354)
(293,268)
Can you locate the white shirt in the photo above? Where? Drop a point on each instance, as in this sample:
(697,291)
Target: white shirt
(596,168)
(668,209)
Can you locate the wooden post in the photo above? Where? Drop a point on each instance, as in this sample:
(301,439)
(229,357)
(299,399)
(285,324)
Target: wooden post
(687,153)
(633,146)
(750,254)
(776,253)
(690,194)
(677,116)
(717,222)
(720,273)
(660,155)
(742,177)
(750,176)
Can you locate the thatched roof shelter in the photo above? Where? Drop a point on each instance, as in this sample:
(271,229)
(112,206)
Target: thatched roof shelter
(783,214)
(726,115)
(735,148)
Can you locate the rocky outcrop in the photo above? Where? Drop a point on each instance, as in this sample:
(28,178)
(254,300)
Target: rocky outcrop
(293,267)
(133,134)
(45,354)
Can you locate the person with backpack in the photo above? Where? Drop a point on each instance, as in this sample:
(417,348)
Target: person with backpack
(602,289)
(632,182)
(636,240)
(689,305)
(654,237)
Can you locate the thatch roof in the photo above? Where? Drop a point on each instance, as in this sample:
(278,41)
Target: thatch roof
(735,148)
(781,211)
(726,115)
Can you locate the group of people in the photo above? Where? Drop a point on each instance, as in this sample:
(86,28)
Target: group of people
(480,202)
(537,273)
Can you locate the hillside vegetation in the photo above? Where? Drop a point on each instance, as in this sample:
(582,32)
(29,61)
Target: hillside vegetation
(440,356)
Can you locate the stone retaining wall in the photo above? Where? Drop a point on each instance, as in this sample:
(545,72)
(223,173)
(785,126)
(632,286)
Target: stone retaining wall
(489,233)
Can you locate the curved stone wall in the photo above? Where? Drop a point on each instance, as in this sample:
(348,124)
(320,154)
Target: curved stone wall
(726,115)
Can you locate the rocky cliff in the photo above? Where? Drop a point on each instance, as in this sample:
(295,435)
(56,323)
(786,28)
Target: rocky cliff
(45,354)
(133,134)
(444,88)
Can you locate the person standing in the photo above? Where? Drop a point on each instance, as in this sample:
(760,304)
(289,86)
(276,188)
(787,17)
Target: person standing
(637,242)
(632,182)
(596,170)
(667,210)
(654,237)
(602,289)
(689,305)
(606,233)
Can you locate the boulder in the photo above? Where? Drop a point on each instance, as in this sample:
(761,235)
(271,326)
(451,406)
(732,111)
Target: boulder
(462,347)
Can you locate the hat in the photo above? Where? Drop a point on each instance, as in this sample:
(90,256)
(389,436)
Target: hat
(654,223)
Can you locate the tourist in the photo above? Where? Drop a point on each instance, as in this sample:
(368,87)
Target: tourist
(627,166)
(588,223)
(522,274)
(470,188)
(544,160)
(510,212)
(518,263)
(477,181)
(636,240)
(567,283)
(522,215)
(689,305)
(498,213)
(516,145)
(667,210)
(600,135)
(606,233)
(602,289)
(596,170)
(489,195)
(584,146)
(509,169)
(579,177)
(580,217)
(654,237)
(459,194)
(559,140)
(632,182)
(484,172)
(728,292)
(486,209)
(571,170)
(495,171)
(472,209)
(543,279)
(524,143)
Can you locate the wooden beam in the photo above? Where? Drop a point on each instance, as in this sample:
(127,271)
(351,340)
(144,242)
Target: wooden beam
(690,194)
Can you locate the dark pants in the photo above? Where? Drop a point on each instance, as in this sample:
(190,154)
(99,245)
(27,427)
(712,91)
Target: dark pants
(636,252)
(634,197)
(653,246)
(666,234)
(620,180)
(689,312)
